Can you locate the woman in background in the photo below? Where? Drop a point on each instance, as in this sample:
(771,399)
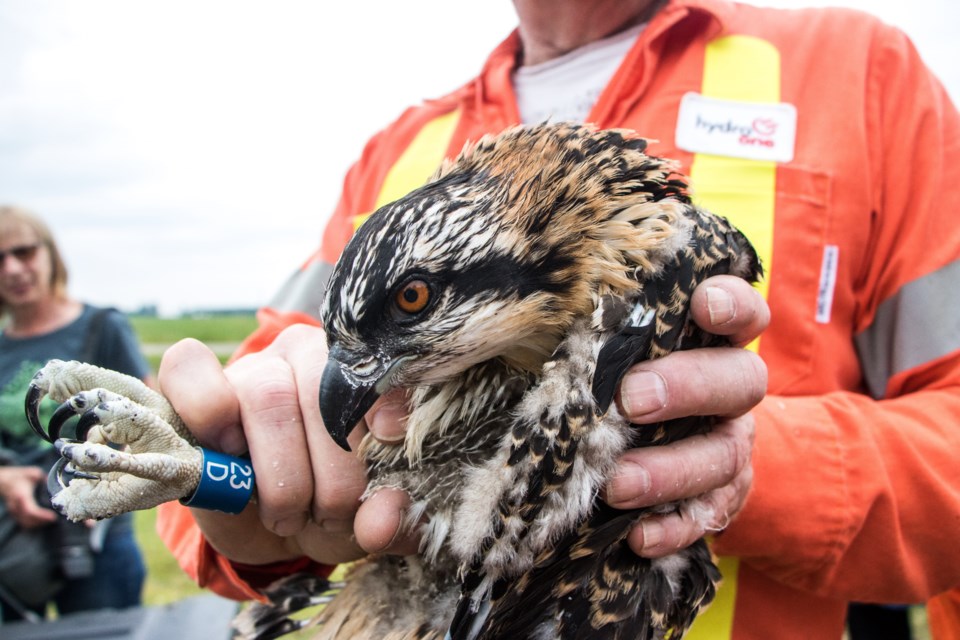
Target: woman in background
(42,322)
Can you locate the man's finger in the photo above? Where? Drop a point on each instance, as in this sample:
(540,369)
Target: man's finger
(34,515)
(659,536)
(730,306)
(192,379)
(327,546)
(273,425)
(339,476)
(657,475)
(379,524)
(722,382)
(387,419)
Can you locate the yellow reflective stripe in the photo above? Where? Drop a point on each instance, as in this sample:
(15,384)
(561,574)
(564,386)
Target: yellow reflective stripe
(417,163)
(745,69)
(716,623)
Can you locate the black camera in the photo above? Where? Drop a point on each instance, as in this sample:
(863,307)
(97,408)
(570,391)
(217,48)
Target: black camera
(71,541)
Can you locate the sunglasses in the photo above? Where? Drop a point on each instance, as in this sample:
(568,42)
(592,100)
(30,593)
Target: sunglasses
(23,253)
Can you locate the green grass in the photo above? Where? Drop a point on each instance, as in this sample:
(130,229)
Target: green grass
(221,333)
(208,329)
(166,582)
(918,623)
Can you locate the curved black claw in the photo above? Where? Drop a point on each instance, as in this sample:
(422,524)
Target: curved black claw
(64,412)
(86,422)
(55,480)
(62,472)
(31,407)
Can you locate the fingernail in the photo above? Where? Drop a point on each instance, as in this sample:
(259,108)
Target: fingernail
(399,531)
(629,481)
(290,526)
(384,421)
(653,534)
(721,305)
(391,506)
(643,392)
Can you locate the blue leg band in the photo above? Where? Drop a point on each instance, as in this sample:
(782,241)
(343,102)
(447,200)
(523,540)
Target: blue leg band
(226,483)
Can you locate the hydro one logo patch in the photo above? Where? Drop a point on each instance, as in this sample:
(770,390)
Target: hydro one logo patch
(749,130)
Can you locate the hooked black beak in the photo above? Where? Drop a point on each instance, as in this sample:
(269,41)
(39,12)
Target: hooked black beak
(344,401)
(347,392)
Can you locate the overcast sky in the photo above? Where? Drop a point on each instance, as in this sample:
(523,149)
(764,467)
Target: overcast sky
(186,152)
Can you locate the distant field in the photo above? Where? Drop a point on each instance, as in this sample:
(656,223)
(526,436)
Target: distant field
(220,333)
(210,329)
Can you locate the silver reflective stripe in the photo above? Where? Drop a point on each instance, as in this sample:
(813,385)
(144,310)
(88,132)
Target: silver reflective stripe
(919,324)
(303,291)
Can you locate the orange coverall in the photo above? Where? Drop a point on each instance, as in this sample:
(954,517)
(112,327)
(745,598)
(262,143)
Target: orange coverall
(856,491)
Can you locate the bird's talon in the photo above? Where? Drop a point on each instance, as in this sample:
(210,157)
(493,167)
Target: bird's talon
(34,397)
(64,413)
(87,421)
(64,471)
(55,480)
(111,469)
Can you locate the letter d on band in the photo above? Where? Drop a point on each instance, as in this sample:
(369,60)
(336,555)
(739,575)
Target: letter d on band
(226,483)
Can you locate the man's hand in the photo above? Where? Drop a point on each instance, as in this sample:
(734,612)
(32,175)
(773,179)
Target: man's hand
(308,489)
(714,468)
(18,487)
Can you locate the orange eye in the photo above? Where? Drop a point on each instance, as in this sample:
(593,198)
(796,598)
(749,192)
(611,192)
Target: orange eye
(413,297)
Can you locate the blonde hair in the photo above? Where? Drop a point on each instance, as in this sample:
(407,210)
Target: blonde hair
(12,218)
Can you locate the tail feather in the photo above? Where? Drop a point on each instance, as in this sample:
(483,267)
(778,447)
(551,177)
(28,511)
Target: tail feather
(287,596)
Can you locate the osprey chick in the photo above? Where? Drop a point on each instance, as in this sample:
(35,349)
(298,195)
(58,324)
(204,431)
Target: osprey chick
(509,295)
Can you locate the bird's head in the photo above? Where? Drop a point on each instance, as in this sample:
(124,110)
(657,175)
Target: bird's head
(490,259)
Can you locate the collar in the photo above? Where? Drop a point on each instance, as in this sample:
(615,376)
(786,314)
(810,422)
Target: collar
(493,89)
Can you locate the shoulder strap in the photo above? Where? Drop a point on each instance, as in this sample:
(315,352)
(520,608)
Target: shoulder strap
(92,338)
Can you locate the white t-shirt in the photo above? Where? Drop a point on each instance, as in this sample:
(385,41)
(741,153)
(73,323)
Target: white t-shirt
(566,88)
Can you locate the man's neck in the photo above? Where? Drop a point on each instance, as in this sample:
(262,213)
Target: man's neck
(551,28)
